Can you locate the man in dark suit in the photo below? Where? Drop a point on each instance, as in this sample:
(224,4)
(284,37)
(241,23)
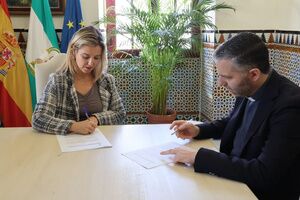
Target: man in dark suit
(260,139)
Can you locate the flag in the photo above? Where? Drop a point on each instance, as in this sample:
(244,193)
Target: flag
(72,22)
(42,39)
(15,97)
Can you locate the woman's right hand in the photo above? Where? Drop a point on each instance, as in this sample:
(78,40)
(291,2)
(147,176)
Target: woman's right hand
(83,127)
(185,129)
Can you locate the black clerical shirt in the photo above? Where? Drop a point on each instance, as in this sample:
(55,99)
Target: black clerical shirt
(249,113)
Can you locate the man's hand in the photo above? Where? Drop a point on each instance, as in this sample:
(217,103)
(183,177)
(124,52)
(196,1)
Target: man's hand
(185,129)
(182,154)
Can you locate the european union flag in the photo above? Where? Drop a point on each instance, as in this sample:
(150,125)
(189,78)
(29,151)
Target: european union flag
(72,22)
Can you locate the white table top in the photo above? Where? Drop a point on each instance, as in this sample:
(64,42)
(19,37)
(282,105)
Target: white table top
(33,167)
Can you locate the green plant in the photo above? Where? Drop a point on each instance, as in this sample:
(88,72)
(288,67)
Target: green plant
(161,37)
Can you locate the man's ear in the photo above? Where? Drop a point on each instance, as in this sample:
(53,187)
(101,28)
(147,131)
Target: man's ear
(254,74)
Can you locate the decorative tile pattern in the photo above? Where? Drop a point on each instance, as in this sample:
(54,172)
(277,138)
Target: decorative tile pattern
(216,100)
(207,89)
(134,88)
(135,119)
(286,63)
(193,91)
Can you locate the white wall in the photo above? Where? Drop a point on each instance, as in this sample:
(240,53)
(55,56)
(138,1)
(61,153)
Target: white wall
(260,14)
(250,14)
(289,18)
(89,11)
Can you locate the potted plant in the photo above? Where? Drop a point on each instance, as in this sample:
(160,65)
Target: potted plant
(161,37)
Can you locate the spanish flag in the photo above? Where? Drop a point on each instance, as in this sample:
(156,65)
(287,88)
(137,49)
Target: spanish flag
(15,96)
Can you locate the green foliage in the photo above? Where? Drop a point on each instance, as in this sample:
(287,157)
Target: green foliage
(160,35)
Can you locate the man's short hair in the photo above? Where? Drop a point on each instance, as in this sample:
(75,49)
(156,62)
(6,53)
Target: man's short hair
(247,50)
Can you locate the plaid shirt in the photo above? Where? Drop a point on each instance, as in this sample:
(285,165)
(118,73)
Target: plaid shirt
(58,107)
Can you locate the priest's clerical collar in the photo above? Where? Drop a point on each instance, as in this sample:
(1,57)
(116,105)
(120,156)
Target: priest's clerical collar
(259,93)
(250,99)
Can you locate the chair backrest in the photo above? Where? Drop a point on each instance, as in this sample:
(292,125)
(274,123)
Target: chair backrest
(43,70)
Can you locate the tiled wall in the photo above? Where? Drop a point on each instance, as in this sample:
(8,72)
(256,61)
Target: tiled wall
(286,60)
(195,89)
(134,88)
(284,52)
(216,101)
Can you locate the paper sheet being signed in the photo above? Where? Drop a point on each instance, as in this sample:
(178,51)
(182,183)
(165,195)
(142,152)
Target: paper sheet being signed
(150,157)
(76,142)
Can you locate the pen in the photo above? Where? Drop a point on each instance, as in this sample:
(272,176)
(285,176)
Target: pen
(173,132)
(190,120)
(86,113)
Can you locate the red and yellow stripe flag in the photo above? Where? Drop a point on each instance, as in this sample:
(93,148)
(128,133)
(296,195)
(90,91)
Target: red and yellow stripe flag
(15,96)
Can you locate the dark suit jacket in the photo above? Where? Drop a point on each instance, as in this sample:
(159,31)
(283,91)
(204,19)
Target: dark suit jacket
(269,162)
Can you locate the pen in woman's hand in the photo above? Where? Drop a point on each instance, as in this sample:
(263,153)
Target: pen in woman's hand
(86,113)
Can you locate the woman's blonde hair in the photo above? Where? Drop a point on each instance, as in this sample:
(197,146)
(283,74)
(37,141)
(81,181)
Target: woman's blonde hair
(86,36)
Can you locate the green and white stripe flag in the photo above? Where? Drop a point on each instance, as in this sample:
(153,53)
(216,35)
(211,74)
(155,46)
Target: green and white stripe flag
(41,38)
(41,32)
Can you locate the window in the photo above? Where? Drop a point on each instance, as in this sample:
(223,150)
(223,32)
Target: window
(125,41)
(118,9)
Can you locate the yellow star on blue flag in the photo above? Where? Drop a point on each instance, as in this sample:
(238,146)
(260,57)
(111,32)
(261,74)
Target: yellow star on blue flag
(82,24)
(70,24)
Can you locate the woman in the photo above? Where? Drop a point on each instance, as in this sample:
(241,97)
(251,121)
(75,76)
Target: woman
(80,95)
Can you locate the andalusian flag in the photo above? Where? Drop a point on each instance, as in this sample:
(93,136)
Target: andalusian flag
(42,38)
(15,97)
(72,22)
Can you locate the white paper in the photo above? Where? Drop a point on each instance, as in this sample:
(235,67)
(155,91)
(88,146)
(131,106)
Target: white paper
(150,157)
(76,142)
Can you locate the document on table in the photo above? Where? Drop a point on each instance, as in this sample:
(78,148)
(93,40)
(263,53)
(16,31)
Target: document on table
(76,142)
(150,157)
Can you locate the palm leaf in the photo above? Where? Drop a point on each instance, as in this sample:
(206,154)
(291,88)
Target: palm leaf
(161,35)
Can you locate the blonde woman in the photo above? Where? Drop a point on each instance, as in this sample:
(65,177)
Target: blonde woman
(80,95)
